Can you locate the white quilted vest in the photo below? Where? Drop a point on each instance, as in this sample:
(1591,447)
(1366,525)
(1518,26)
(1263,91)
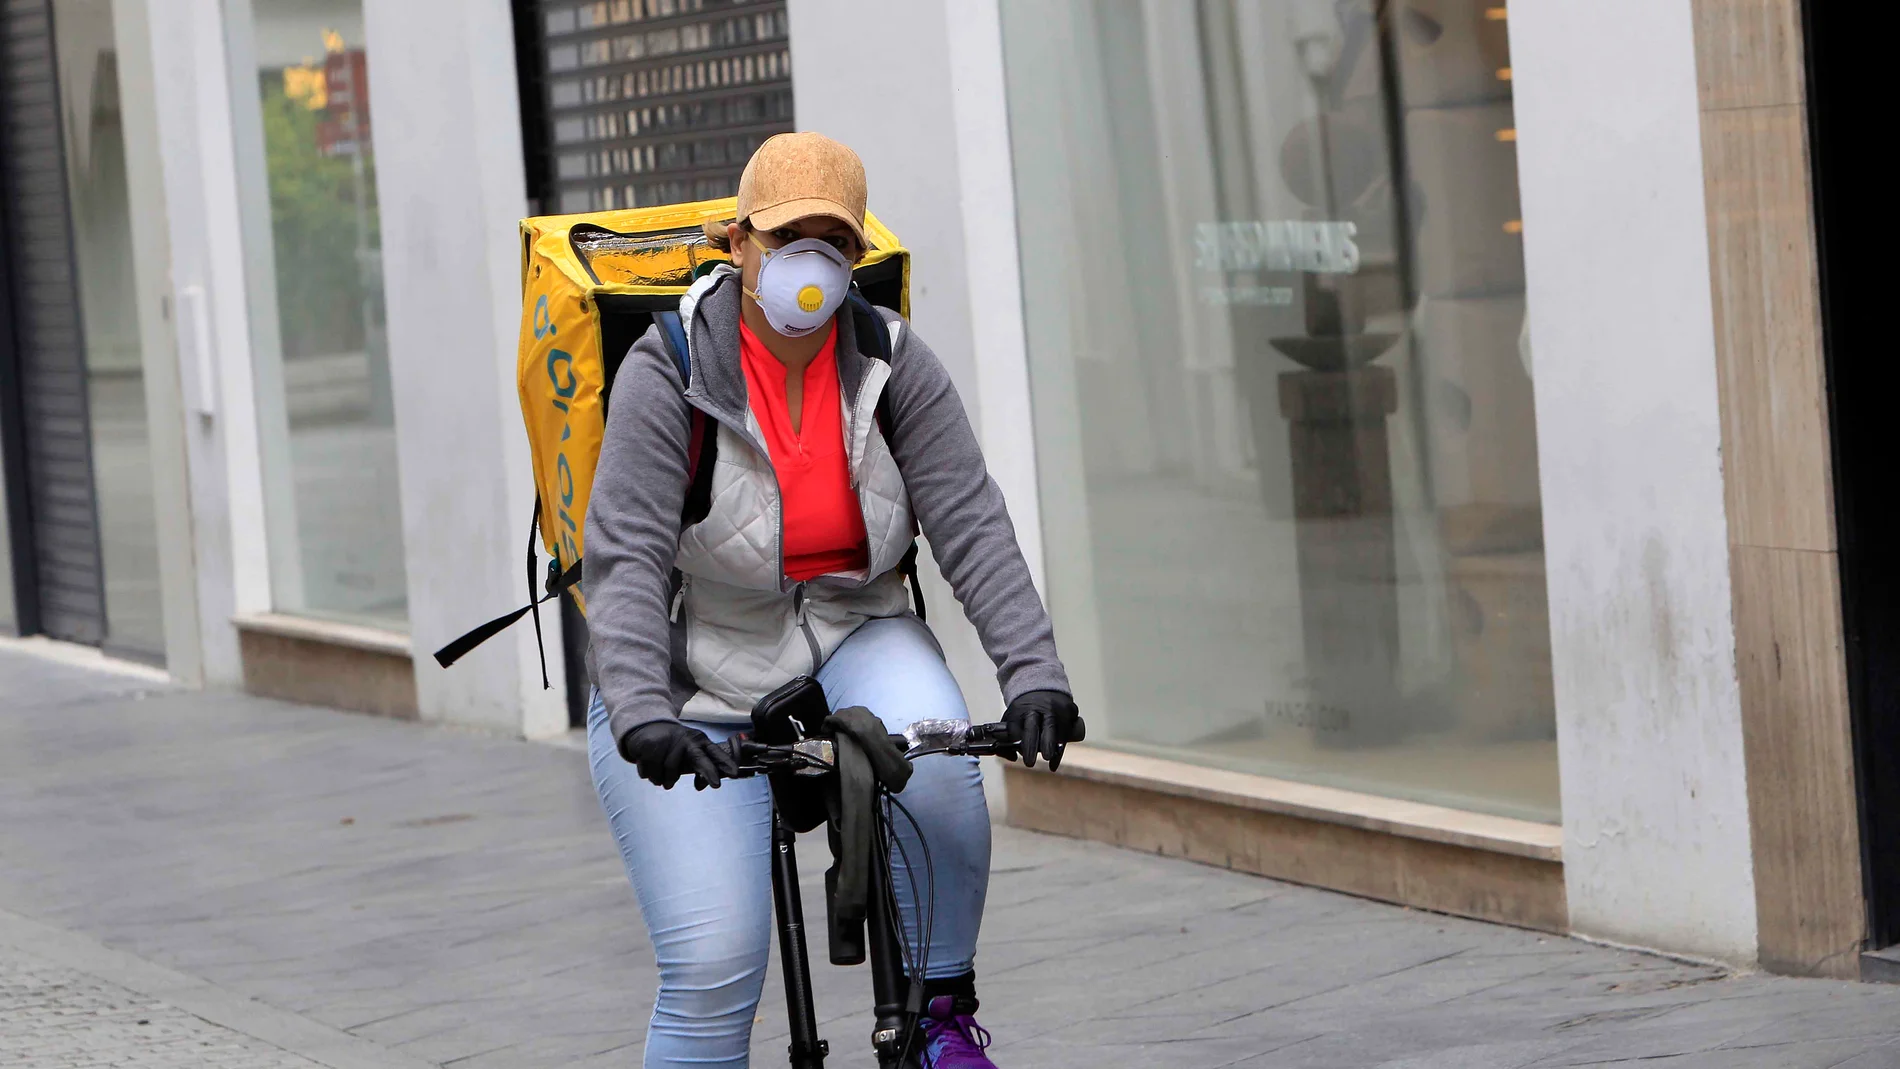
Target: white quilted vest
(748,629)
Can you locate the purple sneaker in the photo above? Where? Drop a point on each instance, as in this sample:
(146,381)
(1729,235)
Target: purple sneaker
(952,1038)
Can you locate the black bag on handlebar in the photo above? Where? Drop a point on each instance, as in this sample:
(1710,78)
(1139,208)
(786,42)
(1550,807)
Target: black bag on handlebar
(779,719)
(800,800)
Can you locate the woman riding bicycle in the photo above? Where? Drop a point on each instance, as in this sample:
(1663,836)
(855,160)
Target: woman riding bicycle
(826,463)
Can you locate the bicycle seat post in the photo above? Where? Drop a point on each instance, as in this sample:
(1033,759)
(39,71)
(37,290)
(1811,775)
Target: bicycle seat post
(807,1050)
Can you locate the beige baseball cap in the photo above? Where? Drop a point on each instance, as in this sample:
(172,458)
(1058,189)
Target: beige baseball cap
(796,176)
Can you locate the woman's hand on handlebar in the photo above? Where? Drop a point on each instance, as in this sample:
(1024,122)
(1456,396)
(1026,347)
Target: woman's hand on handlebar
(1043,722)
(662,751)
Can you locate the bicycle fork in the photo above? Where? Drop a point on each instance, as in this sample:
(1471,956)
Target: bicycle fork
(891,990)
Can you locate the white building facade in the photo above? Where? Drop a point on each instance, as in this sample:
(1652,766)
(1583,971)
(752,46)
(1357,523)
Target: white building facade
(1380,393)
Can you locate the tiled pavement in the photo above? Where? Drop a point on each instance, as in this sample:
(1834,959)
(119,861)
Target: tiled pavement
(58,1018)
(342,886)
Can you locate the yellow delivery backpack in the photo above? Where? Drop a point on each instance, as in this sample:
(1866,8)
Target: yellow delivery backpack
(591,285)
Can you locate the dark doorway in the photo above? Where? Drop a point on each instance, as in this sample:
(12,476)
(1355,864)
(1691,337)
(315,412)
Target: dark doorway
(52,513)
(81,506)
(1852,224)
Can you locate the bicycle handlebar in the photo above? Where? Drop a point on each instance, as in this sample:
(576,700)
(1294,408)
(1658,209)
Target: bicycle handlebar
(815,756)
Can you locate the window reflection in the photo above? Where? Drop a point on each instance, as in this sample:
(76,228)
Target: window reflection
(326,420)
(1274,293)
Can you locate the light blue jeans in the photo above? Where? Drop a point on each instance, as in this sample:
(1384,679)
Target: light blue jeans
(700,860)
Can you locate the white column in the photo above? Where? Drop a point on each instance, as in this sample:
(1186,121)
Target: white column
(987,199)
(241,126)
(1655,811)
(450,189)
(1042,477)
(164,409)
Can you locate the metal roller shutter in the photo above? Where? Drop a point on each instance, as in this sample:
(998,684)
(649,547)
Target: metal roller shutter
(43,352)
(639,102)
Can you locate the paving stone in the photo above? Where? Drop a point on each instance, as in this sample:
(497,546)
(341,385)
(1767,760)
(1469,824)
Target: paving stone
(59,1018)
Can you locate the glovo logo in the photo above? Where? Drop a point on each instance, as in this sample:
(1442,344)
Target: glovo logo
(560,368)
(810,299)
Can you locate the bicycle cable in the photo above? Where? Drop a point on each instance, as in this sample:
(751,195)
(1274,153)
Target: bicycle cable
(924,904)
(887,834)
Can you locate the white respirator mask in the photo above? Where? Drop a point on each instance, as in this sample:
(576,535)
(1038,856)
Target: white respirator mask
(801,284)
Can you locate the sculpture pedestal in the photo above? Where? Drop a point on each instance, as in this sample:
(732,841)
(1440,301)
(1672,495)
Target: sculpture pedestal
(1342,499)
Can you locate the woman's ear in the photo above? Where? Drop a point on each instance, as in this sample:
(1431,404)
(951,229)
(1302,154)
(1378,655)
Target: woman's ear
(736,244)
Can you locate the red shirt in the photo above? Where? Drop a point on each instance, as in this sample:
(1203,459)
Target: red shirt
(823,523)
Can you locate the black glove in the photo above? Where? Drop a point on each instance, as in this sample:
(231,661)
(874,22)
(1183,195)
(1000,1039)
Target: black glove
(1042,722)
(664,750)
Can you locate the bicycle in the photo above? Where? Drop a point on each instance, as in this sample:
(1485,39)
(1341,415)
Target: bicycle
(897,979)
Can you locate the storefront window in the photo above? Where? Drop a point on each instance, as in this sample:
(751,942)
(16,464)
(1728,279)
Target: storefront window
(1282,386)
(325,418)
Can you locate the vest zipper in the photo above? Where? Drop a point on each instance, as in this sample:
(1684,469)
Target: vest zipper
(864,510)
(804,624)
(850,434)
(857,416)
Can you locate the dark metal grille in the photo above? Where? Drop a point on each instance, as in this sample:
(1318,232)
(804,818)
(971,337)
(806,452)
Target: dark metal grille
(51,506)
(657,101)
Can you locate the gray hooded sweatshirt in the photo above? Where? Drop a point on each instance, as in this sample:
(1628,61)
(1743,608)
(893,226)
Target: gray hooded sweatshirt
(735,628)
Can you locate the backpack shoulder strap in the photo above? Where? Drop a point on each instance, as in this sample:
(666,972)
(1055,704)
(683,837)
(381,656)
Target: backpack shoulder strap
(873,339)
(673,333)
(875,342)
(703,439)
